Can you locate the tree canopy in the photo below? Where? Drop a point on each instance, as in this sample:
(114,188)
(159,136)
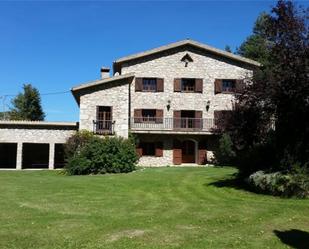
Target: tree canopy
(27,105)
(278,94)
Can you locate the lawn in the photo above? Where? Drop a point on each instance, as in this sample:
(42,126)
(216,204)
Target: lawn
(151,208)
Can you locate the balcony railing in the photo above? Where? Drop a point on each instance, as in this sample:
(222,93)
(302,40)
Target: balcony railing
(103,127)
(173,124)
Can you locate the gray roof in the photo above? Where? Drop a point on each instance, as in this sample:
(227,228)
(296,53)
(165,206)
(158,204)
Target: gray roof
(192,43)
(76,89)
(37,123)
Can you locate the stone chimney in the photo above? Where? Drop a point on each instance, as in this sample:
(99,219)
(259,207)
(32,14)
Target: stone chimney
(105,72)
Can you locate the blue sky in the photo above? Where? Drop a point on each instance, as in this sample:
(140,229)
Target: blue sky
(55,45)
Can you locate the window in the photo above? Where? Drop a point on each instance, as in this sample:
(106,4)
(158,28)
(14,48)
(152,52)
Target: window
(148,149)
(188,85)
(149,115)
(104,122)
(228,85)
(149,84)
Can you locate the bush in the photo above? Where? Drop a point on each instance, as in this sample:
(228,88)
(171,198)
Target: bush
(102,155)
(76,142)
(225,154)
(279,183)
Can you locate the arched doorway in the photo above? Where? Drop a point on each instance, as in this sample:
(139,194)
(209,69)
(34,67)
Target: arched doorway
(188,151)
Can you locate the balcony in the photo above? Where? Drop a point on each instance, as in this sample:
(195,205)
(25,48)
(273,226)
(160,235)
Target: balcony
(103,127)
(172,125)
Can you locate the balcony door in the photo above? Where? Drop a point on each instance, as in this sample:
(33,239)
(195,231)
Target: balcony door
(188,120)
(104,119)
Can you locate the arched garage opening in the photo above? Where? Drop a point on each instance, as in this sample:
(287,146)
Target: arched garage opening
(8,153)
(35,156)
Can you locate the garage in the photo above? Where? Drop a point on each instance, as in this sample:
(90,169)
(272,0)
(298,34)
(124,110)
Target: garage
(59,160)
(8,152)
(35,156)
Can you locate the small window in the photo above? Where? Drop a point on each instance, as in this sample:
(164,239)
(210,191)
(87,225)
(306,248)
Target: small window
(188,85)
(149,84)
(149,115)
(148,149)
(228,85)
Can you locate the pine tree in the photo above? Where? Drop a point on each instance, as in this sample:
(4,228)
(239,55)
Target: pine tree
(27,105)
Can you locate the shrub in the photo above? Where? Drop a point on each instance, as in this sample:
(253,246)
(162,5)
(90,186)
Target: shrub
(225,154)
(279,183)
(103,155)
(76,142)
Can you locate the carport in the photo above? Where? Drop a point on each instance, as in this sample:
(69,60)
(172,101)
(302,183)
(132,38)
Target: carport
(35,156)
(8,153)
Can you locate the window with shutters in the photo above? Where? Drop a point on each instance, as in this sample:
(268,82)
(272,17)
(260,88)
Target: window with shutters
(228,86)
(148,149)
(149,84)
(188,85)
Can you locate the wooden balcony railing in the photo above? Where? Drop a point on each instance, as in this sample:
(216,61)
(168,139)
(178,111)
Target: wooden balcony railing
(103,127)
(172,124)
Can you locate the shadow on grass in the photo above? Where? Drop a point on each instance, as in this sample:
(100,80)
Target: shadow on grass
(231,182)
(294,238)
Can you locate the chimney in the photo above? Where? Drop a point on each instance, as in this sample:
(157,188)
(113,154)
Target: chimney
(105,72)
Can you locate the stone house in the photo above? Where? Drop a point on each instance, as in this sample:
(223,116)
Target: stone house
(171,98)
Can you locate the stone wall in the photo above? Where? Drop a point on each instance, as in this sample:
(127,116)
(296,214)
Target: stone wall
(21,132)
(169,66)
(114,94)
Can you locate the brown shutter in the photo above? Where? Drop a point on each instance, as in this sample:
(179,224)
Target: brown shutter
(199,85)
(137,115)
(240,84)
(218,86)
(198,120)
(217,118)
(159,149)
(177,119)
(202,152)
(160,85)
(159,116)
(177,85)
(177,152)
(138,84)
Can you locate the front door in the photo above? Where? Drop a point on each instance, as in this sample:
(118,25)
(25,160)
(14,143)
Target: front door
(188,151)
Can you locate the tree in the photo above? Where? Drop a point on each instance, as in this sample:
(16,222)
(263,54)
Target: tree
(256,46)
(27,105)
(228,49)
(279,92)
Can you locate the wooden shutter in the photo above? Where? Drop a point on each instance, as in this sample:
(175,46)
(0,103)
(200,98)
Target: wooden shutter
(137,115)
(218,86)
(202,152)
(177,119)
(240,85)
(159,149)
(160,85)
(159,116)
(138,84)
(198,120)
(199,85)
(177,85)
(177,152)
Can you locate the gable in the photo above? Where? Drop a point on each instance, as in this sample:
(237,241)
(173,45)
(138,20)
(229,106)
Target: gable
(188,44)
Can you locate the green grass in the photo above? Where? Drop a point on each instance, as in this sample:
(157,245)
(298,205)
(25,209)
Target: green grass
(151,208)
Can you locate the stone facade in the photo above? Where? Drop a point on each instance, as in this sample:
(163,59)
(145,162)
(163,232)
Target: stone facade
(113,94)
(169,66)
(21,132)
